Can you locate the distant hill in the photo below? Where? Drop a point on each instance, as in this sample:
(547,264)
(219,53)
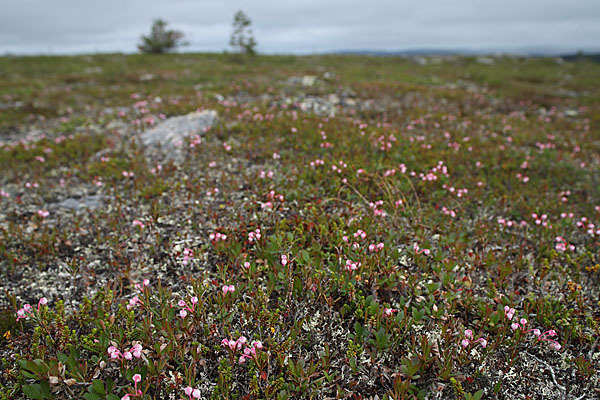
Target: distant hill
(446,52)
(579,56)
(411,52)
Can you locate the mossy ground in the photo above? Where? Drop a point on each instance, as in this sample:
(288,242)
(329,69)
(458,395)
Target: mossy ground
(480,183)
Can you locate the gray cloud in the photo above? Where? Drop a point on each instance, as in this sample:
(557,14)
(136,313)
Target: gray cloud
(72,26)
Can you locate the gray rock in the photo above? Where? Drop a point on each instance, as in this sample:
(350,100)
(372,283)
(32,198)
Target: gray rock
(89,202)
(309,80)
(170,133)
(306,81)
(317,106)
(293,81)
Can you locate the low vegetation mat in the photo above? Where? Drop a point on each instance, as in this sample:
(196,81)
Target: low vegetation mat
(346,227)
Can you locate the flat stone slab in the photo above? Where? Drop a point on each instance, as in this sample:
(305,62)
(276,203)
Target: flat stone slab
(89,202)
(171,133)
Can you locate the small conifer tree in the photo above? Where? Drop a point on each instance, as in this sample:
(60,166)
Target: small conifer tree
(241,39)
(161,40)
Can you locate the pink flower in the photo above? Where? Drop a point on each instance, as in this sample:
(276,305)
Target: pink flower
(137,378)
(43,213)
(137,222)
(145,283)
(418,250)
(113,352)
(229,288)
(469,334)
(465,343)
(351,265)
(388,311)
(137,350)
(21,314)
(284,260)
(133,302)
(509,312)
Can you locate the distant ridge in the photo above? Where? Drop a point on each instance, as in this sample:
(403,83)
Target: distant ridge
(449,52)
(411,52)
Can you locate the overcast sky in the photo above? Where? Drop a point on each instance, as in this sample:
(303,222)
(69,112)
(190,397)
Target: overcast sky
(304,26)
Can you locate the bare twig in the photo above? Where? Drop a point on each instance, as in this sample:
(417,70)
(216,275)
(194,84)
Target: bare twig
(558,385)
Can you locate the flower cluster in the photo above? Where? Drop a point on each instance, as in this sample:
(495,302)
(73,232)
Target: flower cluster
(376,247)
(134,302)
(228,289)
(250,352)
(360,233)
(254,236)
(377,211)
(351,265)
(469,340)
(26,310)
(116,354)
(562,245)
(188,254)
(520,325)
(234,345)
(216,237)
(262,174)
(185,308)
(509,312)
(192,393)
(418,250)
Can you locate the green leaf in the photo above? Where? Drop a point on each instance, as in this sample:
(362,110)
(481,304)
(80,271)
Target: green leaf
(361,331)
(62,358)
(305,256)
(33,391)
(109,384)
(91,396)
(37,390)
(98,386)
(46,389)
